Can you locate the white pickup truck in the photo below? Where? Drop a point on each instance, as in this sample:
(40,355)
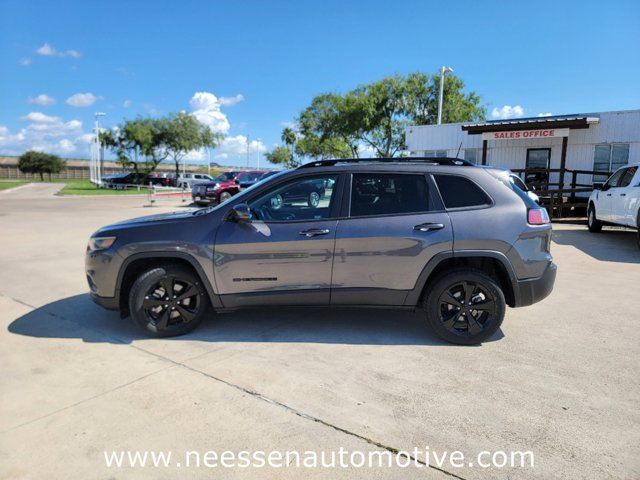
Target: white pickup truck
(617,202)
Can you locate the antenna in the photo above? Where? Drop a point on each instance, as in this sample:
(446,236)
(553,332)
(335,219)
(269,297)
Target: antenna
(458,152)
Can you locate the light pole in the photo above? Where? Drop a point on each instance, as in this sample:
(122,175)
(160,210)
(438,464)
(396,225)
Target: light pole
(97,154)
(443,70)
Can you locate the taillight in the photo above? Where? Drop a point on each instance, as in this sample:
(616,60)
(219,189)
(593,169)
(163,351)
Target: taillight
(538,216)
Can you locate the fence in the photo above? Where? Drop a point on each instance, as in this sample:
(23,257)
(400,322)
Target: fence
(71,173)
(557,199)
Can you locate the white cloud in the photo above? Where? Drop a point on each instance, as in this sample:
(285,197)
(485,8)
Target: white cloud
(366,151)
(545,114)
(231,101)
(205,107)
(237,145)
(81,100)
(47,50)
(507,111)
(46,133)
(127,103)
(43,100)
(25,61)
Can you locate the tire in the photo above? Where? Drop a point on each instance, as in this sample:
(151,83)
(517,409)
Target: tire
(447,303)
(313,200)
(175,317)
(638,227)
(594,225)
(224,196)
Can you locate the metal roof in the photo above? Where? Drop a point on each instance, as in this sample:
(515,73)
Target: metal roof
(555,121)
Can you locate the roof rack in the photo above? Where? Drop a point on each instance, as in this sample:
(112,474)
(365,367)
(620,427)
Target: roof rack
(431,161)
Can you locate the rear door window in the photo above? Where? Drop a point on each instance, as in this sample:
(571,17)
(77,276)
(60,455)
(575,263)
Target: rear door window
(460,192)
(388,194)
(625,181)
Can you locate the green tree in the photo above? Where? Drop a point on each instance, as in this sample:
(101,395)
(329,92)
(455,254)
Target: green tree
(40,163)
(183,133)
(281,156)
(138,144)
(376,114)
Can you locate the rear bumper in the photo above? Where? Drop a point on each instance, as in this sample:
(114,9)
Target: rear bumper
(110,303)
(533,290)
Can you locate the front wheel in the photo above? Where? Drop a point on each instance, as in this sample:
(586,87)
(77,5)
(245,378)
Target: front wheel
(465,306)
(224,196)
(593,223)
(168,300)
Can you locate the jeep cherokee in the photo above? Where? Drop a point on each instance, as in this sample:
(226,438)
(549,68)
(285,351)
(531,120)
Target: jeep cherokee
(440,235)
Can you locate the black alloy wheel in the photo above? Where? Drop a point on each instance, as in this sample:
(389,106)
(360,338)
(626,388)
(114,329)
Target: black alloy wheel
(168,301)
(465,306)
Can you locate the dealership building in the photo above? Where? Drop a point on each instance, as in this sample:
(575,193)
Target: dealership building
(599,142)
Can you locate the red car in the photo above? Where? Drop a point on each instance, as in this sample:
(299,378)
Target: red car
(224,186)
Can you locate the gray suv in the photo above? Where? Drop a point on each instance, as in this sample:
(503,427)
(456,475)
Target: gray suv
(440,235)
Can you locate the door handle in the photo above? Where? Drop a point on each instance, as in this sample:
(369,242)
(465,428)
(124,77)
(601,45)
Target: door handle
(428,227)
(608,194)
(314,232)
(623,194)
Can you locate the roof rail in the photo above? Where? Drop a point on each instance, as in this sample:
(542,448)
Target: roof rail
(431,161)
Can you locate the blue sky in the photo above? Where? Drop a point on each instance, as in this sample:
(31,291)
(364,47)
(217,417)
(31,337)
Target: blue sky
(257,64)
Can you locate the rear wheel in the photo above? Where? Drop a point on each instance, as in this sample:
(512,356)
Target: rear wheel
(168,300)
(465,306)
(593,223)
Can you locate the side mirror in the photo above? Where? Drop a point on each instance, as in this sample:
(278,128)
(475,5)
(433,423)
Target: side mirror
(598,186)
(237,181)
(241,213)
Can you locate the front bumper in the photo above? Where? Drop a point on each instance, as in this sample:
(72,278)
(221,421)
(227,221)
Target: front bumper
(533,290)
(110,303)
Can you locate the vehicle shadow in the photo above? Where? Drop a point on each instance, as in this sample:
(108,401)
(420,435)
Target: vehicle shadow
(78,317)
(611,245)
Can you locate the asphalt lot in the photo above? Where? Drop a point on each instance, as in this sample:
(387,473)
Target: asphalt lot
(561,380)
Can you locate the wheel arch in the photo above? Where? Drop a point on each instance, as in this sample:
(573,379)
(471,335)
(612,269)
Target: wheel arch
(135,264)
(493,263)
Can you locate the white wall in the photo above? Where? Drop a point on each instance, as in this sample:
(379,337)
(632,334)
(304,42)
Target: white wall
(614,127)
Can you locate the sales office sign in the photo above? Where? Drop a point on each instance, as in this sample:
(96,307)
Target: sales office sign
(526,134)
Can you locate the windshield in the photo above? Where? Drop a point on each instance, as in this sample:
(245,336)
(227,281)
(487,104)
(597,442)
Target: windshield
(249,176)
(225,177)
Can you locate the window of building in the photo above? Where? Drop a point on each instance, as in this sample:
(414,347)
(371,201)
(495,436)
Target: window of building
(460,192)
(435,153)
(608,158)
(388,194)
(473,155)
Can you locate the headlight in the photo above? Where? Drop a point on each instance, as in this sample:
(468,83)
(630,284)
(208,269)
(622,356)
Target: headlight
(100,243)
(213,188)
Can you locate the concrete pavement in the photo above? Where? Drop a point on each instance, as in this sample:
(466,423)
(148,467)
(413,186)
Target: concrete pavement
(560,379)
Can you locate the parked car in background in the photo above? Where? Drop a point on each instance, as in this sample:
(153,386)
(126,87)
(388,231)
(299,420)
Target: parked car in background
(439,235)
(219,190)
(162,179)
(249,177)
(188,180)
(121,180)
(269,174)
(617,202)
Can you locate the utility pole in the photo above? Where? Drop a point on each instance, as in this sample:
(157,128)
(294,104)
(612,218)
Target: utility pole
(248,144)
(443,70)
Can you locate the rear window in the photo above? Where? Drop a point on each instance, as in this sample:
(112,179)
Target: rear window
(388,194)
(460,192)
